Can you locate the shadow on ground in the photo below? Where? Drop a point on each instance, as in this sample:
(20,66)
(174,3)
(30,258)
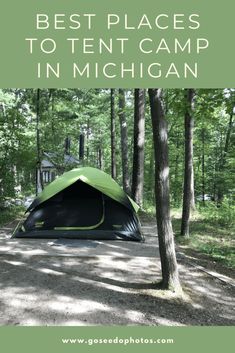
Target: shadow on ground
(109,288)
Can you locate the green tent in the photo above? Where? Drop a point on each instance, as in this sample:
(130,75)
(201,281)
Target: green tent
(82,203)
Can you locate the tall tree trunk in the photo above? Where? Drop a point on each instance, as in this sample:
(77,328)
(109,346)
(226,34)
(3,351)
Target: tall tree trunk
(192,203)
(52,100)
(39,178)
(151,174)
(100,158)
(188,196)
(113,137)
(176,171)
(220,193)
(87,141)
(203,165)
(67,145)
(81,147)
(138,148)
(124,142)
(228,135)
(170,276)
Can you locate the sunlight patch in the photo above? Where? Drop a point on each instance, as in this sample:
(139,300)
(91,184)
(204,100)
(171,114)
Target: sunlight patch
(51,272)
(15,263)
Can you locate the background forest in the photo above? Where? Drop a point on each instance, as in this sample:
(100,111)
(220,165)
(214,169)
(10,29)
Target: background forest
(112,130)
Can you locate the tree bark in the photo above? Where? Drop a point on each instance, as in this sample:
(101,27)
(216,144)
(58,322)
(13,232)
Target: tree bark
(188,196)
(113,136)
(52,100)
(176,171)
(203,166)
(100,158)
(220,192)
(87,141)
(39,178)
(138,148)
(124,142)
(228,136)
(81,147)
(170,276)
(151,174)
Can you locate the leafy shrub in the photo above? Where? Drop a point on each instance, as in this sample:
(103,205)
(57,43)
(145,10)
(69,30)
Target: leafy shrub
(223,215)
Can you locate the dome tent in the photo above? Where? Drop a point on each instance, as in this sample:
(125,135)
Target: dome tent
(84,203)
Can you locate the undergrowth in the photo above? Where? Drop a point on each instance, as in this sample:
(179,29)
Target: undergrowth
(10,214)
(212,230)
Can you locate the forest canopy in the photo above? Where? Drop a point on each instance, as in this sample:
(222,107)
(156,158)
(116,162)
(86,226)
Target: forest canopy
(72,112)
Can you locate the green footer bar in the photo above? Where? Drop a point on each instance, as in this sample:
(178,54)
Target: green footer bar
(116,339)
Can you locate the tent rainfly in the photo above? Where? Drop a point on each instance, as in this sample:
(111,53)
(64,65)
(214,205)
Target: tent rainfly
(84,203)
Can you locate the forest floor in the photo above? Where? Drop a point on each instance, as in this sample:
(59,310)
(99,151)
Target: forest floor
(75,282)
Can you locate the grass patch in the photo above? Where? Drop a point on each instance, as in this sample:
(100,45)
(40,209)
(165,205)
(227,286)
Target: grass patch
(10,214)
(212,231)
(209,235)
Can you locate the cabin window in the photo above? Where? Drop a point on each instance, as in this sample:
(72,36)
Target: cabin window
(46,176)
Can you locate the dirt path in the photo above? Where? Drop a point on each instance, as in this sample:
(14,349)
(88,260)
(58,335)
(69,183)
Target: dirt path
(102,283)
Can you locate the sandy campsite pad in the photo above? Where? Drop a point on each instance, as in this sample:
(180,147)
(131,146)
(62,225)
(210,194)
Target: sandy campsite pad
(84,282)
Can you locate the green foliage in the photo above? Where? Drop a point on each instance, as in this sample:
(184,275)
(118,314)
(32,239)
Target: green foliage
(10,214)
(221,215)
(70,112)
(212,113)
(212,232)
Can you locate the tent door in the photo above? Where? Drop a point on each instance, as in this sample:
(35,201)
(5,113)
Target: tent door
(87,227)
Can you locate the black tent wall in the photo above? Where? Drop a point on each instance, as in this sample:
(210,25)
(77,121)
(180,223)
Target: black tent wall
(81,211)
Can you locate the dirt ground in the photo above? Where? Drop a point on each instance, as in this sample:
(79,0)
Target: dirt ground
(83,282)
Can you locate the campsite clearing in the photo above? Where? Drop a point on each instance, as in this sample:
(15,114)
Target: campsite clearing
(84,282)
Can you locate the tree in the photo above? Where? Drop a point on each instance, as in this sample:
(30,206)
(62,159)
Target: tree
(124,141)
(203,165)
(81,147)
(170,276)
(224,154)
(138,148)
(39,179)
(113,137)
(71,112)
(188,195)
